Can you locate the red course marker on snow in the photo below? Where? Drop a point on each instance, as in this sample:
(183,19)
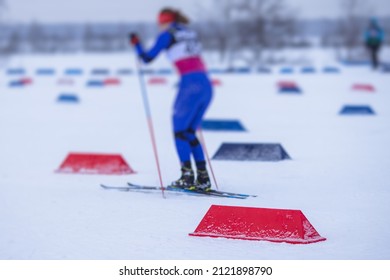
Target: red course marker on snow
(109,164)
(26,81)
(287,84)
(216,82)
(276,225)
(157,81)
(363,87)
(112,82)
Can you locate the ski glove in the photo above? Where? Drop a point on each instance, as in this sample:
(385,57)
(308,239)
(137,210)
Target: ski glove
(134,39)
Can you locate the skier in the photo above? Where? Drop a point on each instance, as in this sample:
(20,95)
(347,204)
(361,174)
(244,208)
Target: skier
(374,36)
(195,92)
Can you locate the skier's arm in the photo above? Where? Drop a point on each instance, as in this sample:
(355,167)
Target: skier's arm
(163,42)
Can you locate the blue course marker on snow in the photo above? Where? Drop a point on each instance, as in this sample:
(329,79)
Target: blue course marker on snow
(331,70)
(357,110)
(292,90)
(251,152)
(125,71)
(100,71)
(68,98)
(16,83)
(95,83)
(16,71)
(73,72)
(286,70)
(242,70)
(264,70)
(308,70)
(353,63)
(45,71)
(216,71)
(148,71)
(164,71)
(222,125)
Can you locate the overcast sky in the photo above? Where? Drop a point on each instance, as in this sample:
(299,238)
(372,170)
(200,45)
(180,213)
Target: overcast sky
(145,10)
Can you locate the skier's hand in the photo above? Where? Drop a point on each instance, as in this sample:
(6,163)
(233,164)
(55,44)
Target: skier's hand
(134,39)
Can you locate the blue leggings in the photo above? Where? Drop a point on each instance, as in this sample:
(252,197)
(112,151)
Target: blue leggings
(192,101)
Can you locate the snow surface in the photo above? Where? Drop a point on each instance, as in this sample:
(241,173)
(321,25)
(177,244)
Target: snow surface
(338,176)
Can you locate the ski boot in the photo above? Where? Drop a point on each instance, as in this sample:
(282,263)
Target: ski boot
(186,181)
(203,181)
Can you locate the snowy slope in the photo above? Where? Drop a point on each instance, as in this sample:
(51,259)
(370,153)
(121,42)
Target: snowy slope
(338,175)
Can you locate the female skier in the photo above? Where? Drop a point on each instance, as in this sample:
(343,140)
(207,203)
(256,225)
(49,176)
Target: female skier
(195,92)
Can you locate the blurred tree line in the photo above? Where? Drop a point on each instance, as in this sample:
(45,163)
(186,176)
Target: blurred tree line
(235,29)
(246,28)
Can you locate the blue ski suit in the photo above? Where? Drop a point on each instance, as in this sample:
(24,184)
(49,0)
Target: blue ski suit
(195,90)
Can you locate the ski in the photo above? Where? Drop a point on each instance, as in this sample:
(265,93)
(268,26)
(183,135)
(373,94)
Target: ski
(177,189)
(212,192)
(145,189)
(134,187)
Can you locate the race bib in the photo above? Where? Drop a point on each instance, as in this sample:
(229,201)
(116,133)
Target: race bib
(186,45)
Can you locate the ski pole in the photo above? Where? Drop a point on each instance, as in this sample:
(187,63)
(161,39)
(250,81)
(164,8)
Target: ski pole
(149,121)
(207,156)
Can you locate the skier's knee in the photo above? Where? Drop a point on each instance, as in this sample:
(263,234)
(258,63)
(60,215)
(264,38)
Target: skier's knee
(189,136)
(193,140)
(181,135)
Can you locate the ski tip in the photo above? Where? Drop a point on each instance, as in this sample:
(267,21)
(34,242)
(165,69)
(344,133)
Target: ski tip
(123,189)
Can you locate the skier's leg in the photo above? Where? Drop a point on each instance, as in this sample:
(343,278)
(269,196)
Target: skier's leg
(375,58)
(196,148)
(184,152)
(373,52)
(202,179)
(185,109)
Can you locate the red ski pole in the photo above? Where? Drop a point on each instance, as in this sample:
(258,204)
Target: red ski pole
(150,122)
